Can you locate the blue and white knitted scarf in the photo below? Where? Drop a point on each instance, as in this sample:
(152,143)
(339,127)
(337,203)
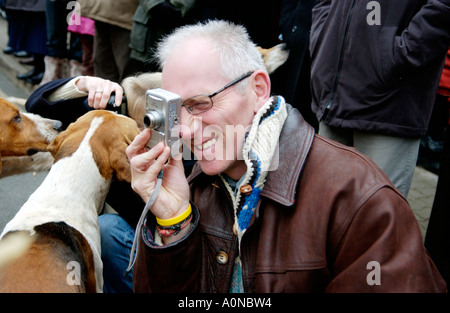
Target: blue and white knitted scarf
(260,153)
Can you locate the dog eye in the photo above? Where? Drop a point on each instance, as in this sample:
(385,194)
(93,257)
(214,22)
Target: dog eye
(17,118)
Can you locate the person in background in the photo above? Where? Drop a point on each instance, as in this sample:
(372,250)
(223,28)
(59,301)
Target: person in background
(437,238)
(27,35)
(113,24)
(84,28)
(152,20)
(292,80)
(64,52)
(432,143)
(375,69)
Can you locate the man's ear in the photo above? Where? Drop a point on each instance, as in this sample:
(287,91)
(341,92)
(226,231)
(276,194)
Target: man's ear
(261,88)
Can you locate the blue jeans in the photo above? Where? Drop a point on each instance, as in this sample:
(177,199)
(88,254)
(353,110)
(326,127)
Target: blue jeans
(116,242)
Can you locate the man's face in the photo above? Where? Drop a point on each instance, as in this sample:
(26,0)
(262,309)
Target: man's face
(217,135)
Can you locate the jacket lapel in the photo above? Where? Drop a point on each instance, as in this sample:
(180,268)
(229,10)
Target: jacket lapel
(295,141)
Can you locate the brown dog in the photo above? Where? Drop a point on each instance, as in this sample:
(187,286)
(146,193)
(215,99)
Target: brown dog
(61,216)
(274,57)
(23,134)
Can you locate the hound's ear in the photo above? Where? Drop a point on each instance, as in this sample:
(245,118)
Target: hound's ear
(54,146)
(65,144)
(120,163)
(119,159)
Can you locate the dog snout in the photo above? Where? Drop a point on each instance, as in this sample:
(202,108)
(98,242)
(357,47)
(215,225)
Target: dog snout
(57,125)
(282,46)
(32,151)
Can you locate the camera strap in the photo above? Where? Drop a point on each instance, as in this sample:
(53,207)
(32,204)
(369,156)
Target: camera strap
(147,207)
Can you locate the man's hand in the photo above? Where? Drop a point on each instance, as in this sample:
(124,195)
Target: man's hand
(173,197)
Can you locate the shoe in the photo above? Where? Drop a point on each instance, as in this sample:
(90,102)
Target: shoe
(8,50)
(26,75)
(35,79)
(75,68)
(55,68)
(21,54)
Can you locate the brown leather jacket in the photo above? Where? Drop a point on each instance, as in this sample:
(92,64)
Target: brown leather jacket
(324,215)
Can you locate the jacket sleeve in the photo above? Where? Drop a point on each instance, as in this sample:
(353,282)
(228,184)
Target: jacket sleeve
(173,268)
(427,36)
(66,111)
(319,16)
(377,253)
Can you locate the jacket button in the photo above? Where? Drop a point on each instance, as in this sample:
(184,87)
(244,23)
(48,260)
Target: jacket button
(246,189)
(222,258)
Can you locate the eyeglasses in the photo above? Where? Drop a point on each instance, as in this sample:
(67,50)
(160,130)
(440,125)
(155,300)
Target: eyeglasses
(202,103)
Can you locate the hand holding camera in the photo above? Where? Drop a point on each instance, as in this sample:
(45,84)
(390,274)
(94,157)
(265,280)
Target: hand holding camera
(173,196)
(153,151)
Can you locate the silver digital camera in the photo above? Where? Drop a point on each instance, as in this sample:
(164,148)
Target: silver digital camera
(162,116)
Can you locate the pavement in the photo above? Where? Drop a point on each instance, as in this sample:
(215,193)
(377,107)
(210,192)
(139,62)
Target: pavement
(14,190)
(421,196)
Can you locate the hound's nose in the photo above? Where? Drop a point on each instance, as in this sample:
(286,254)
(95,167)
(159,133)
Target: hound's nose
(57,126)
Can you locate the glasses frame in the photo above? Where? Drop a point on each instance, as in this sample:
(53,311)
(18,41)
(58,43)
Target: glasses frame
(190,109)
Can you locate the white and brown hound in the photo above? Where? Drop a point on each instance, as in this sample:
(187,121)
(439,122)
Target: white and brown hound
(61,216)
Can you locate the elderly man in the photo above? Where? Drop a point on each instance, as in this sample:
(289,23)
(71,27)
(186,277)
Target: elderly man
(269,206)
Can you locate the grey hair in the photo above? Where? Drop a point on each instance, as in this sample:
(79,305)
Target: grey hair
(238,54)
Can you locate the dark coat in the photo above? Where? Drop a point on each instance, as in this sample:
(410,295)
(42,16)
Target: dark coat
(26,5)
(153,20)
(66,111)
(292,79)
(378,75)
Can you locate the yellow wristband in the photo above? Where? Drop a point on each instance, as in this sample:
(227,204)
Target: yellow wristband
(176,219)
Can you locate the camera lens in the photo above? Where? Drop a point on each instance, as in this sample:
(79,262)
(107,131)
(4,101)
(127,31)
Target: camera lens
(153,120)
